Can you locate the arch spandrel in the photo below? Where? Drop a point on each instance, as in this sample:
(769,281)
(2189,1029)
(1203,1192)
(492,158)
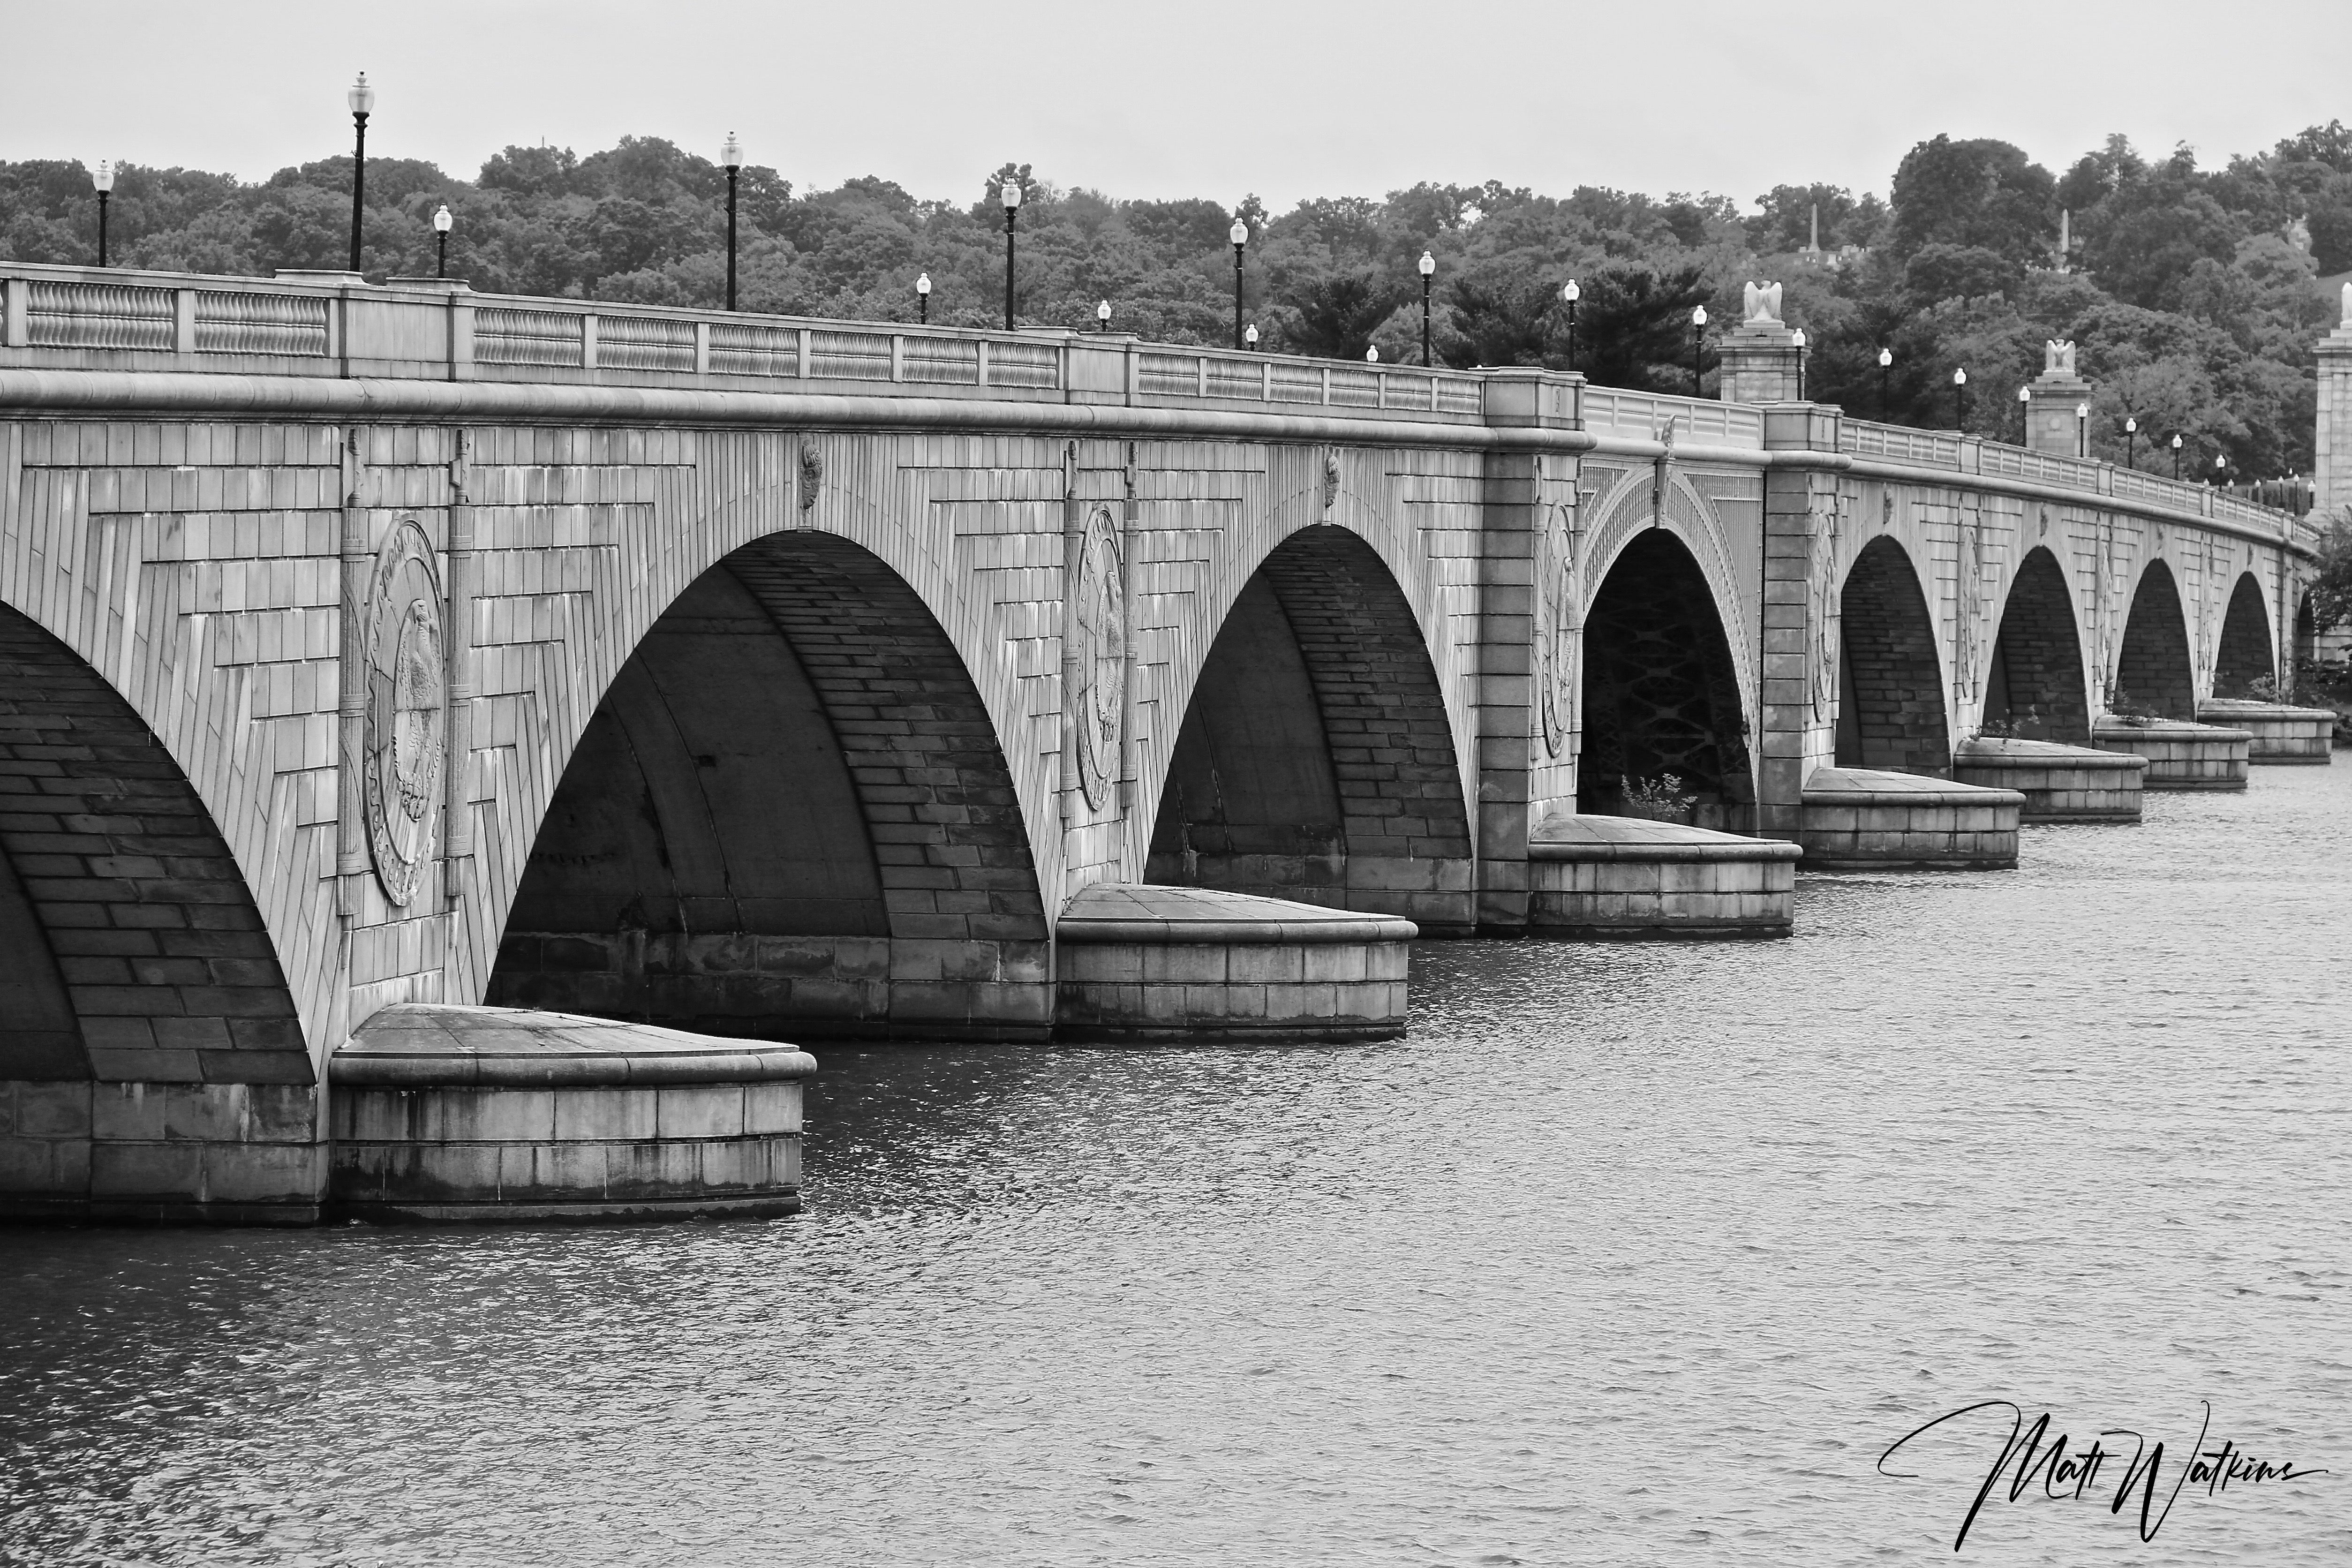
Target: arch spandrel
(1625,509)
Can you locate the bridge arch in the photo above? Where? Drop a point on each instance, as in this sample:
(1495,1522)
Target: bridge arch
(1890,709)
(2247,650)
(133,948)
(2154,669)
(789,813)
(1316,760)
(1662,692)
(2035,688)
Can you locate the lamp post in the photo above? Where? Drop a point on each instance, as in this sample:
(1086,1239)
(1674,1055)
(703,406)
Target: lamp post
(1102,316)
(361,98)
(2024,411)
(1428,265)
(441,222)
(2222,470)
(101,179)
(1960,399)
(731,158)
(1249,337)
(1699,345)
(2081,429)
(1885,400)
(1012,198)
(1796,341)
(923,299)
(2176,457)
(1571,293)
(2131,443)
(1239,234)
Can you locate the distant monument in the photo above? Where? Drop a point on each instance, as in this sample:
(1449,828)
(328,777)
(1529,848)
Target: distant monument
(2053,423)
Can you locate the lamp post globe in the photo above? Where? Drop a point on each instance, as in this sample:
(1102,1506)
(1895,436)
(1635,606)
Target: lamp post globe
(731,158)
(2024,410)
(1960,399)
(1886,397)
(1102,315)
(1797,340)
(1698,346)
(2176,456)
(1010,194)
(1372,354)
(362,99)
(442,220)
(923,298)
(2081,429)
(1249,336)
(1571,291)
(2131,442)
(1428,268)
(1239,236)
(101,180)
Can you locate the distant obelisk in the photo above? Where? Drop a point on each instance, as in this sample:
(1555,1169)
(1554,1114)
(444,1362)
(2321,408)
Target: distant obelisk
(2066,237)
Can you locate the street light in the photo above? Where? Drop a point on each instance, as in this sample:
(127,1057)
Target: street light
(1428,271)
(1239,234)
(1960,399)
(441,222)
(1698,342)
(731,158)
(1012,198)
(2131,443)
(2176,457)
(1796,341)
(2024,406)
(102,180)
(361,98)
(1102,316)
(2222,469)
(923,299)
(1885,400)
(1372,354)
(2081,429)
(1249,336)
(1571,293)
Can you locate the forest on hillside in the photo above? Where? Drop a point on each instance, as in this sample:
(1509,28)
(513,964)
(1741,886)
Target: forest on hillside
(2192,293)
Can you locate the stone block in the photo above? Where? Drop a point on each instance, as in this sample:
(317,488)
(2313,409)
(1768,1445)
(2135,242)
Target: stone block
(700,1111)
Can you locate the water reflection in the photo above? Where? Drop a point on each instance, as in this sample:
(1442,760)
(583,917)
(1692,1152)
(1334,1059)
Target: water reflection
(1628,1254)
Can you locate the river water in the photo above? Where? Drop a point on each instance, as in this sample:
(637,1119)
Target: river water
(1635,1254)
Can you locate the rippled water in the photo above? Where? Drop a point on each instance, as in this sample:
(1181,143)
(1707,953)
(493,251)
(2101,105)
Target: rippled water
(1630,1254)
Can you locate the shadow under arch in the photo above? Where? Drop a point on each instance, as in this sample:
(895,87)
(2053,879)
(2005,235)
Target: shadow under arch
(1661,691)
(2154,671)
(1890,710)
(789,814)
(2245,654)
(2035,688)
(1315,761)
(2307,632)
(131,947)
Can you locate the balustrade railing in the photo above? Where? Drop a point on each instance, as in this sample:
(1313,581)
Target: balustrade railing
(327,324)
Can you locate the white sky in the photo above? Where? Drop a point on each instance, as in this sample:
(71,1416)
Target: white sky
(1209,98)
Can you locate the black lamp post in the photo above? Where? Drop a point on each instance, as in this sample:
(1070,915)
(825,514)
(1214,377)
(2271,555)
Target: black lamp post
(1571,293)
(2081,429)
(2222,470)
(1699,345)
(923,299)
(441,222)
(2176,457)
(1428,265)
(1796,341)
(1102,316)
(1239,234)
(1960,399)
(361,98)
(731,158)
(2131,443)
(2025,414)
(1012,198)
(1886,397)
(102,180)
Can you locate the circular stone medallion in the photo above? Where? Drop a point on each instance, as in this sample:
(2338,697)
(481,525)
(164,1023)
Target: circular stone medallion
(401,772)
(1100,631)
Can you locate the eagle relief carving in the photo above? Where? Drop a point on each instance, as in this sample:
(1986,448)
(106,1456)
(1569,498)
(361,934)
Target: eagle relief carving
(2057,357)
(1763,301)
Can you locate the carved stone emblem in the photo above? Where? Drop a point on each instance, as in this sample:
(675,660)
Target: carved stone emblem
(1330,479)
(401,770)
(1763,303)
(812,473)
(1098,656)
(2057,357)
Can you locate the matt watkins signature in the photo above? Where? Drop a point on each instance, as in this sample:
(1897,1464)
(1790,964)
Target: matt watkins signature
(2040,1465)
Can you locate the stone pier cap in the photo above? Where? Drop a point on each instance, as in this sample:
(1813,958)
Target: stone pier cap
(2007,751)
(1130,912)
(1564,837)
(417,1044)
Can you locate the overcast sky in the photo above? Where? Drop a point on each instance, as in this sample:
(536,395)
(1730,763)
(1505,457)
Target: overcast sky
(1208,99)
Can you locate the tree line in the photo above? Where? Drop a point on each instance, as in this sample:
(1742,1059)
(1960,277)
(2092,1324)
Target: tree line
(2191,294)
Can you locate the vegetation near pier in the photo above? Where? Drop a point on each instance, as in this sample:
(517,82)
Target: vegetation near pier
(2192,293)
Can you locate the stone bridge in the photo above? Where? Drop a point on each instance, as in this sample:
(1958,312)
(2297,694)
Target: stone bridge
(369,647)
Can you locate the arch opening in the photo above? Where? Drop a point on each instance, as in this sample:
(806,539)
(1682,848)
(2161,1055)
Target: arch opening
(1314,762)
(1661,692)
(789,814)
(1890,712)
(2034,689)
(2244,655)
(2153,673)
(130,948)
